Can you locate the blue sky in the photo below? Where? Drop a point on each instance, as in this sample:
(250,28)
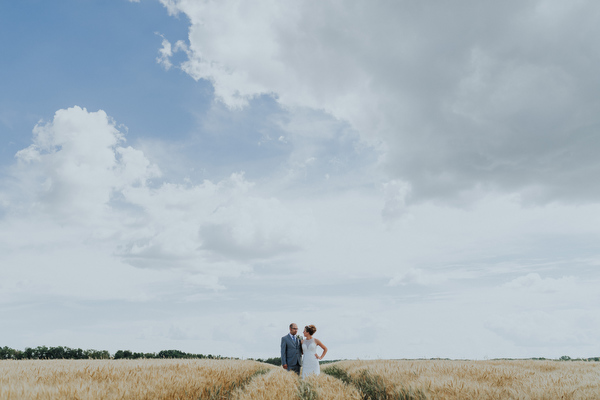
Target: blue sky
(98,54)
(415,179)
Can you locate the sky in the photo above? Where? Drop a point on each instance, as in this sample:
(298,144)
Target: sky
(416,179)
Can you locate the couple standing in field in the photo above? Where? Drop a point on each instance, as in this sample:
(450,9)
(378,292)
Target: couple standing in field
(296,352)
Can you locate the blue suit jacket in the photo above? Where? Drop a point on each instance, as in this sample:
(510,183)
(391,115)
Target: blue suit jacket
(290,352)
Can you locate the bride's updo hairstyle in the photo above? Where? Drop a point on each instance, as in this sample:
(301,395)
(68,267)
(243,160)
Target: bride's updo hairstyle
(311,329)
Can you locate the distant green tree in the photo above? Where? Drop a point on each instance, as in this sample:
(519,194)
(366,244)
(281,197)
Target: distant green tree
(6,353)
(28,353)
(41,353)
(172,354)
(97,354)
(63,352)
(59,352)
(119,354)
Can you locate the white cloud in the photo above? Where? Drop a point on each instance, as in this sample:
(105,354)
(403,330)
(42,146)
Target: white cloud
(76,164)
(77,179)
(144,239)
(166,52)
(257,228)
(494,103)
(464,98)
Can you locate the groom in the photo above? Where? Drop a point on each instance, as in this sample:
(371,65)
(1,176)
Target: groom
(290,350)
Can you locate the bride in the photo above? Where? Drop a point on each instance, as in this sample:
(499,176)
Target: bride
(310,359)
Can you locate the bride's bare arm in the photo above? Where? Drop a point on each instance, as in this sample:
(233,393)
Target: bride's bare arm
(320,344)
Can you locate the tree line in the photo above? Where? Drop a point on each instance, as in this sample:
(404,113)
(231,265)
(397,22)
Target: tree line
(273,360)
(67,353)
(63,352)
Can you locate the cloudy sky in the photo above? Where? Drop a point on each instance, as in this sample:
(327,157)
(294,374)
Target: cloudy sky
(417,179)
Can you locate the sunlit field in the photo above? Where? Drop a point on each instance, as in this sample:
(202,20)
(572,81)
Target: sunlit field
(440,379)
(280,384)
(245,379)
(125,379)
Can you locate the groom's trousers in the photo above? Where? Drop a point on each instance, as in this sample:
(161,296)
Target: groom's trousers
(295,368)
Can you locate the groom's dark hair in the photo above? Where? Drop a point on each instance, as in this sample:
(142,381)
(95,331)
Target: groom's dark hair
(292,324)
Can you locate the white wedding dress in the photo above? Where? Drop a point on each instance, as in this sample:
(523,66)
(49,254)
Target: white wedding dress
(310,363)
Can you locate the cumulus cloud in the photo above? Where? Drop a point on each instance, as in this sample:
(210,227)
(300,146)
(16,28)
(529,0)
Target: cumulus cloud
(76,163)
(464,97)
(78,183)
(256,229)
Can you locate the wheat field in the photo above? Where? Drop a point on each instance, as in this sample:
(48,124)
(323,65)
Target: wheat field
(246,379)
(506,379)
(282,385)
(124,379)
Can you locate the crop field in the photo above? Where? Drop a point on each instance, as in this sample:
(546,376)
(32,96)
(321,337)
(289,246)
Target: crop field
(245,379)
(125,379)
(441,379)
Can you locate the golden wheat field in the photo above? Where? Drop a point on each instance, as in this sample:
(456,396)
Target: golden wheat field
(124,379)
(441,379)
(245,379)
